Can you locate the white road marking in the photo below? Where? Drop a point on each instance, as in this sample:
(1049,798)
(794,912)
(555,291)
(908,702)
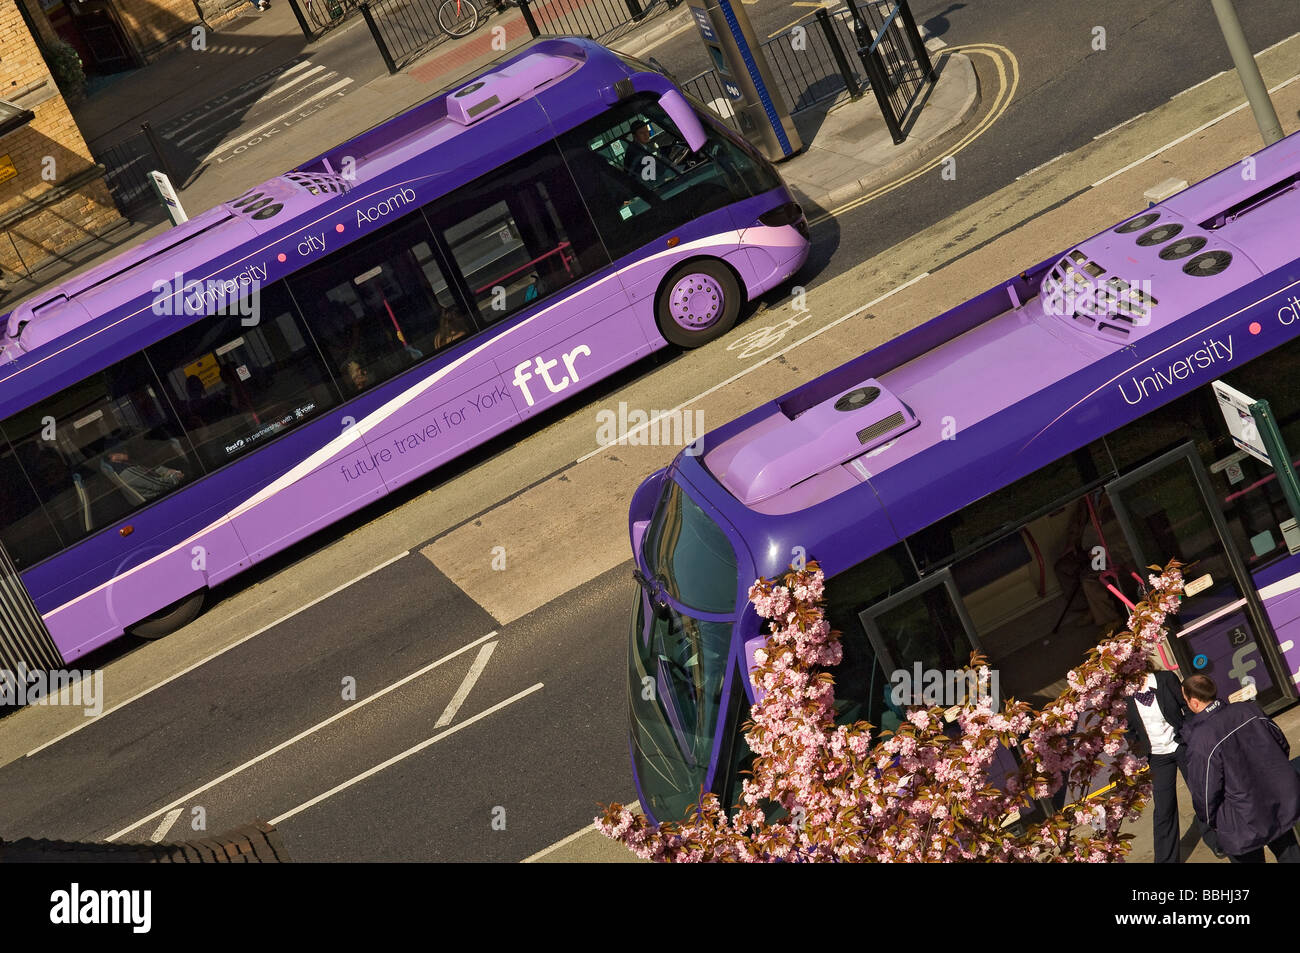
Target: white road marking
(265,95)
(166,825)
(252,133)
(475,670)
(405,754)
(1041,165)
(219,107)
(222,651)
(306,733)
(634,807)
(1208,79)
(1118,125)
(1183,138)
(755,366)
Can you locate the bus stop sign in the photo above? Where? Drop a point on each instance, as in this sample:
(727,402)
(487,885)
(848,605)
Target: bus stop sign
(745,76)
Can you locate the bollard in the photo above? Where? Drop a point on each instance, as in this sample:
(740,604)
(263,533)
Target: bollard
(528,19)
(914,37)
(879,86)
(379,40)
(156,145)
(841,61)
(302,21)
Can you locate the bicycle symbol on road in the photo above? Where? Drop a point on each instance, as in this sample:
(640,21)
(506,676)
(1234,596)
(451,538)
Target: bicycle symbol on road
(760,339)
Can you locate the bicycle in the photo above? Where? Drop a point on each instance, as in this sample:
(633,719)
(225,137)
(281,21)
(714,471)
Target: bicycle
(325,13)
(458,18)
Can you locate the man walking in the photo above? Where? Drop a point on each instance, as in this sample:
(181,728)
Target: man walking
(1242,784)
(1155,718)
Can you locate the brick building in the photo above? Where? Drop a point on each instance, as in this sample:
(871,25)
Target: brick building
(113,35)
(52,194)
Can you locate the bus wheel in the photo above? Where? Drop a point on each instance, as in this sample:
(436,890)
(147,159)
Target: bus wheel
(168,620)
(700,301)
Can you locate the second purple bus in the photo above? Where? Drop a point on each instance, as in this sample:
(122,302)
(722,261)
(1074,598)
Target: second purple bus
(221,391)
(996,479)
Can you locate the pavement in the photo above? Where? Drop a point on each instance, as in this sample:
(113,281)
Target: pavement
(258,98)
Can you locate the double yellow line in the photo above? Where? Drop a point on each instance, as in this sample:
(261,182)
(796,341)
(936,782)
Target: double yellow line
(1008,74)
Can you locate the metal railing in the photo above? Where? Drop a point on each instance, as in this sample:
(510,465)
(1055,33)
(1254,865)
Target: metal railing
(599,19)
(707,88)
(871,45)
(406,29)
(25,643)
(127,165)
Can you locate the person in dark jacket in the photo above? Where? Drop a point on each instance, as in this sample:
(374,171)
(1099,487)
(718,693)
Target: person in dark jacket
(1242,783)
(1155,719)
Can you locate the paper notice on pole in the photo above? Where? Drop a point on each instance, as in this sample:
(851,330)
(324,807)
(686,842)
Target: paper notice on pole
(1235,407)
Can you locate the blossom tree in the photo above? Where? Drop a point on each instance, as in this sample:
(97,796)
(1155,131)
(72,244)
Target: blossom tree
(822,792)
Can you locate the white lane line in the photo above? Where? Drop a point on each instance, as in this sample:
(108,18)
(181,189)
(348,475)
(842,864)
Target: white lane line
(753,367)
(1183,138)
(475,670)
(263,97)
(1208,79)
(1277,44)
(251,133)
(1042,165)
(405,754)
(634,807)
(1118,125)
(166,825)
(220,107)
(222,651)
(303,734)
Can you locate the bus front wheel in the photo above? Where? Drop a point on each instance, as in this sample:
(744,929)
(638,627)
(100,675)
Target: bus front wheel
(699,302)
(168,620)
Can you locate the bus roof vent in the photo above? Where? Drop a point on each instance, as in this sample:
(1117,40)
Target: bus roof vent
(1084,294)
(319,183)
(787,449)
(493,91)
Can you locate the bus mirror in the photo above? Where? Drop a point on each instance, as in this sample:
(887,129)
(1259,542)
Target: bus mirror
(684,118)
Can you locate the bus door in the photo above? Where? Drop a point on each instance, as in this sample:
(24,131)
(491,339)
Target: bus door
(1167,511)
(922,637)
(919,636)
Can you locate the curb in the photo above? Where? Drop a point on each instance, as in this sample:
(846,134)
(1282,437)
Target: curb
(663,25)
(846,193)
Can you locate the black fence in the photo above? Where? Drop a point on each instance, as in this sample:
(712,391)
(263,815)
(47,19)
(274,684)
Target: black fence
(318,17)
(25,643)
(864,46)
(127,165)
(599,19)
(707,88)
(407,29)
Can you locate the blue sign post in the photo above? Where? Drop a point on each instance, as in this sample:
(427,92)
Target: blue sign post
(746,78)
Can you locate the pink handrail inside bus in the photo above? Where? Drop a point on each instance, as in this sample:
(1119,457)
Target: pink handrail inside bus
(559,249)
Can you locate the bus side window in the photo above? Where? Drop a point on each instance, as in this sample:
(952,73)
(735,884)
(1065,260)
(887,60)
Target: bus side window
(113,447)
(236,385)
(376,307)
(519,234)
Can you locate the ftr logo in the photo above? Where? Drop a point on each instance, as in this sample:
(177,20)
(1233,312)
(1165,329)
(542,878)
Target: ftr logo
(543,370)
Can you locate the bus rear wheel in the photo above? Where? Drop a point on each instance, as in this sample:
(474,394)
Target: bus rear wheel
(168,620)
(699,302)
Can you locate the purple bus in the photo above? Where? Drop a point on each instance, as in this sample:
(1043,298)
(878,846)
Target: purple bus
(223,390)
(994,479)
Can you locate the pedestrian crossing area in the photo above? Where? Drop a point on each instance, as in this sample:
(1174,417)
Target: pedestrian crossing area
(255,111)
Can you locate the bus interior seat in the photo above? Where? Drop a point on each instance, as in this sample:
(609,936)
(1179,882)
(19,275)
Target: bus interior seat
(132,495)
(83,498)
